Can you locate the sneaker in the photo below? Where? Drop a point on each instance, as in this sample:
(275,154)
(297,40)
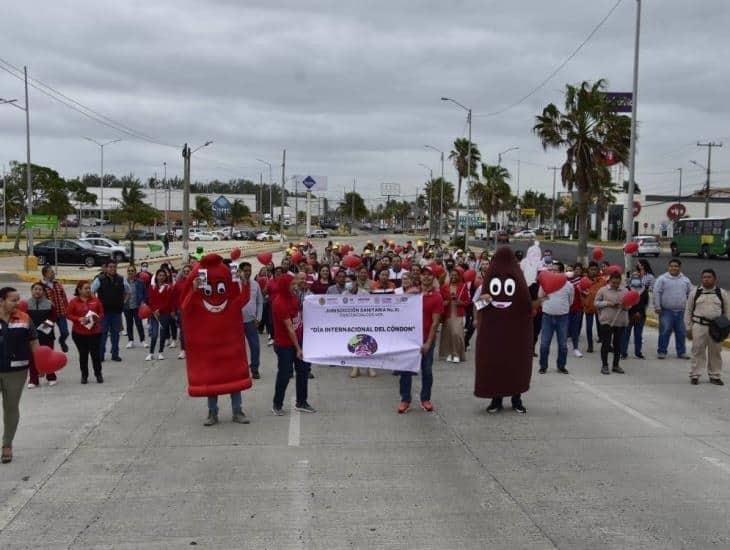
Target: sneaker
(661,355)
(160,357)
(542,371)
(117,359)
(684,356)
(305,408)
(355,372)
(52,382)
(427,406)
(563,370)
(130,344)
(32,385)
(717,382)
(604,370)
(577,353)
(181,355)
(449,358)
(277,412)
(212,420)
(403,407)
(696,381)
(255,375)
(149,357)
(372,373)
(240,418)
(64,346)
(456,360)
(590,349)
(519,407)
(99,379)
(494,407)
(640,356)
(172,344)
(618,370)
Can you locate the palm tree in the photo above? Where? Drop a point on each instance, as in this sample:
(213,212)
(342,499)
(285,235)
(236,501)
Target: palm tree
(203,209)
(133,207)
(537,201)
(587,129)
(465,162)
(239,211)
(493,193)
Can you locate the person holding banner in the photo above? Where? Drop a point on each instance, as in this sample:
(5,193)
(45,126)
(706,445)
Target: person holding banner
(433,308)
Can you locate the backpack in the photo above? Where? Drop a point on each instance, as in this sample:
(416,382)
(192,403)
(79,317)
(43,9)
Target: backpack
(718,328)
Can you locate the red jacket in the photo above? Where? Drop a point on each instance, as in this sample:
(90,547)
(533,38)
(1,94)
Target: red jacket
(78,308)
(161,298)
(461,301)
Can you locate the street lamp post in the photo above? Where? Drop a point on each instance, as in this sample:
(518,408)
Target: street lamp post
(187,153)
(500,155)
(271,200)
(101,179)
(441,209)
(430,202)
(468,173)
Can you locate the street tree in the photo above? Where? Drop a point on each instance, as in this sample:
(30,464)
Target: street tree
(132,207)
(346,208)
(492,193)
(203,210)
(239,211)
(461,159)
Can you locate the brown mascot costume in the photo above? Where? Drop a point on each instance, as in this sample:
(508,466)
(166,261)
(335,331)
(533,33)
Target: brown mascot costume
(503,356)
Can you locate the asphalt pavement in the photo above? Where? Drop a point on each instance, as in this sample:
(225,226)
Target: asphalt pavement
(640,460)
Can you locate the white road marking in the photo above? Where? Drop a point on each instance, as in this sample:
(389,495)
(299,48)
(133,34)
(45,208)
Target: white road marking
(294,427)
(717,462)
(628,410)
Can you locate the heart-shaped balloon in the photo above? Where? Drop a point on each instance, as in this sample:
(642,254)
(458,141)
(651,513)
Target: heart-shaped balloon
(614,268)
(297,257)
(631,247)
(551,281)
(631,298)
(264,257)
(48,361)
(470,275)
(597,253)
(235,253)
(585,283)
(351,261)
(23,306)
(144,311)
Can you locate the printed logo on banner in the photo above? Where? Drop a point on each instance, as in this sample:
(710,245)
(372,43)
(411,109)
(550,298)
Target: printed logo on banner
(321,301)
(362,345)
(345,300)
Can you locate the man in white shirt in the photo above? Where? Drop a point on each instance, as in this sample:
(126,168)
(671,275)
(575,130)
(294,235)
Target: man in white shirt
(397,272)
(555,310)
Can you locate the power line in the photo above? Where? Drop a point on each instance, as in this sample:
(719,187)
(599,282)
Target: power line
(557,69)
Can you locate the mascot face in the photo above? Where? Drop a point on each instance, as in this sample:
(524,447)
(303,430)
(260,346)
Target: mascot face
(504,281)
(502,290)
(220,285)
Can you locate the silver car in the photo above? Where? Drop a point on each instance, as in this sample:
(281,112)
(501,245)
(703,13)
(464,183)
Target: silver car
(648,246)
(118,252)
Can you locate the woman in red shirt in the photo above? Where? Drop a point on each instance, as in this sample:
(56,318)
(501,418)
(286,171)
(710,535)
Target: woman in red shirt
(85,312)
(456,298)
(160,299)
(323,282)
(383,283)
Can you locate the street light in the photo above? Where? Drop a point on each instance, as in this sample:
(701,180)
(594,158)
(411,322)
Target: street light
(101,179)
(441,209)
(271,203)
(468,172)
(187,153)
(499,155)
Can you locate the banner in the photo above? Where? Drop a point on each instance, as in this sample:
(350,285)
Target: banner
(379,331)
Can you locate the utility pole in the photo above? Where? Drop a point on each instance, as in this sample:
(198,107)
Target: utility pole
(552,217)
(27,163)
(154,199)
(679,198)
(352,208)
(5,203)
(709,146)
(296,207)
(468,188)
(283,181)
(186,203)
(166,186)
(271,185)
(632,148)
(261,196)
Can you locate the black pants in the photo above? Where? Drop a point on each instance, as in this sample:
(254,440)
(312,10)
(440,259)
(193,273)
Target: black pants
(287,360)
(88,344)
(132,319)
(536,327)
(610,338)
(469,327)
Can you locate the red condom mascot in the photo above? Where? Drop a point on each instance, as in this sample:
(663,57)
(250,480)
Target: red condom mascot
(214,336)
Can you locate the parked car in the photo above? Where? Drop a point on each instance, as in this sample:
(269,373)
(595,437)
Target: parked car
(318,234)
(205,236)
(525,234)
(90,234)
(140,235)
(268,236)
(118,252)
(243,235)
(69,251)
(648,246)
(328,224)
(502,237)
(366,227)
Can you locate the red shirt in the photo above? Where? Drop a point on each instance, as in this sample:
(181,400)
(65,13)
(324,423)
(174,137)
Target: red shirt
(320,287)
(461,301)
(432,303)
(286,306)
(78,308)
(161,298)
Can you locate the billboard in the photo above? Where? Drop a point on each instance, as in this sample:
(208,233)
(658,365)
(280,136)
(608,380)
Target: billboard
(390,189)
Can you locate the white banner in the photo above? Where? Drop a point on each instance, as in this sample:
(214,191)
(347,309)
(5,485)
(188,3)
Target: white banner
(379,331)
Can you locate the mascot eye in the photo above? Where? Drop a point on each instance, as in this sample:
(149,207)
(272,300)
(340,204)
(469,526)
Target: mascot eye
(509,287)
(495,286)
(207,290)
(221,288)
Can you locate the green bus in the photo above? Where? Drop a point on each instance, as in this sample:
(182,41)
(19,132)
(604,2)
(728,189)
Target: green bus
(705,237)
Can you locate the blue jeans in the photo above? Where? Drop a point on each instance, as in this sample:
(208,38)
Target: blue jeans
(575,320)
(671,321)
(590,317)
(159,327)
(558,325)
(286,361)
(406,378)
(236,403)
(638,328)
(62,328)
(252,337)
(111,325)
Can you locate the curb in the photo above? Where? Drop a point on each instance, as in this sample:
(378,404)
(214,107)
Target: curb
(653,322)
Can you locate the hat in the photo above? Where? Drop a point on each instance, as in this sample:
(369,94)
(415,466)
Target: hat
(368,252)
(427,269)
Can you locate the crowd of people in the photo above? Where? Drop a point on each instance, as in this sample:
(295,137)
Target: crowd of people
(452,284)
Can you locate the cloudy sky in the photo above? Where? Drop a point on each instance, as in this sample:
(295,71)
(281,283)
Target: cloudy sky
(352,89)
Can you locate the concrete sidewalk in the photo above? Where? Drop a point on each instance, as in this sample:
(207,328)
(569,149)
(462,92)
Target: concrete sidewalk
(640,460)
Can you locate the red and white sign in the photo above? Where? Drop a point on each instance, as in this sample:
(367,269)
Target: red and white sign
(637,208)
(676,211)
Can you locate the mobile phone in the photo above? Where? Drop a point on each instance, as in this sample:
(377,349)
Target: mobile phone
(203,276)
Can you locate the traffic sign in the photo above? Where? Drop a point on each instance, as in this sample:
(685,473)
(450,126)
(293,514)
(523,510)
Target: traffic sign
(42,221)
(528,212)
(312,183)
(676,211)
(637,208)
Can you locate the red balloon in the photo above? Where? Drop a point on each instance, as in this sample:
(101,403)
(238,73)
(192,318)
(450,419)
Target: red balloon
(470,275)
(585,283)
(235,253)
(48,361)
(551,281)
(631,298)
(23,306)
(144,311)
(437,270)
(631,247)
(351,261)
(264,257)
(398,249)
(614,268)
(597,253)
(297,257)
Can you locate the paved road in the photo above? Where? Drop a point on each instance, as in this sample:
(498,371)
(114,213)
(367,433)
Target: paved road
(640,460)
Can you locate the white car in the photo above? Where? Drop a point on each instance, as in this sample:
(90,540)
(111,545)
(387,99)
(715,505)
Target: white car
(648,246)
(318,234)
(268,236)
(204,236)
(118,252)
(525,234)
